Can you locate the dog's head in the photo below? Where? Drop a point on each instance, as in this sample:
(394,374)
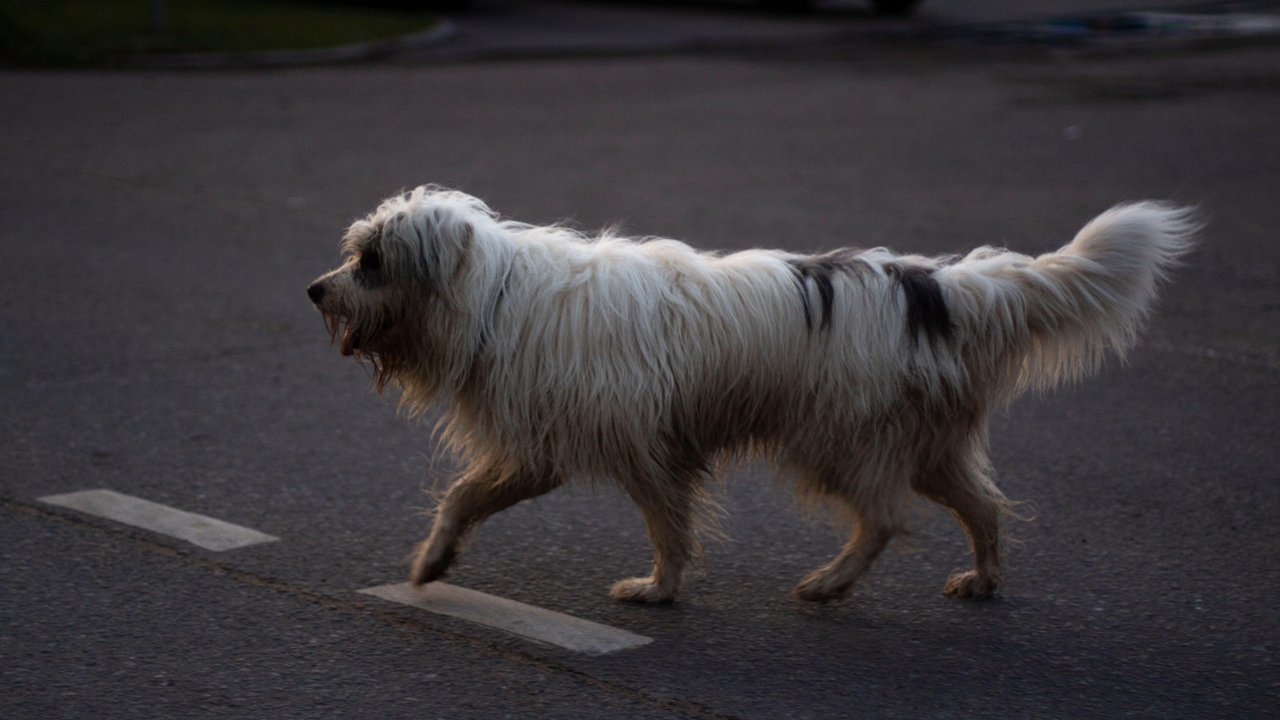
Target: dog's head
(400,262)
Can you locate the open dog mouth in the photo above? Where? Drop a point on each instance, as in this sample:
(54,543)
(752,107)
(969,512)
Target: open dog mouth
(340,329)
(366,343)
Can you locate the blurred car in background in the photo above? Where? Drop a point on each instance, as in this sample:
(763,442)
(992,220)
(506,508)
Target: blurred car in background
(882,7)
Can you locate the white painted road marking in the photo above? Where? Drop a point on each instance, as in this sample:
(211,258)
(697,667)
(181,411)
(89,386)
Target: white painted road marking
(209,533)
(527,621)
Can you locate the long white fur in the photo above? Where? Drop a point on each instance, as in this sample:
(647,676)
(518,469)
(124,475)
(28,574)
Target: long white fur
(560,356)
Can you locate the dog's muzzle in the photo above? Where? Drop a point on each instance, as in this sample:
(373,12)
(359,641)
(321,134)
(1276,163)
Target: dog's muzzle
(315,291)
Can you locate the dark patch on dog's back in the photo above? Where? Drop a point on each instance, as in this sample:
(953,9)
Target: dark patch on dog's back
(926,308)
(821,269)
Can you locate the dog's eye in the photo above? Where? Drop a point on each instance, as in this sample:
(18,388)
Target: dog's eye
(370,260)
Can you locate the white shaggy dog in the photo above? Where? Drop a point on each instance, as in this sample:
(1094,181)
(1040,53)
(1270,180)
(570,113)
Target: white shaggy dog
(867,376)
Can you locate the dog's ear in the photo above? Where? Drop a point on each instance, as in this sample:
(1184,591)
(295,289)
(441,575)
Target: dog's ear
(443,239)
(425,242)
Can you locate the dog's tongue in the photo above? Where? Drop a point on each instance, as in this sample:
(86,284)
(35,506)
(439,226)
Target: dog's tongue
(348,343)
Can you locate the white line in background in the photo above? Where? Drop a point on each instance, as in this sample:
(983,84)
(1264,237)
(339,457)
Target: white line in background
(209,533)
(527,621)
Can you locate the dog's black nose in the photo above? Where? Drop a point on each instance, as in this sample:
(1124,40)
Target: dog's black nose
(315,291)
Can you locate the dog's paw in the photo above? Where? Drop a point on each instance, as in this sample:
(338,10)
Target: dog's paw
(430,565)
(971,585)
(641,590)
(820,586)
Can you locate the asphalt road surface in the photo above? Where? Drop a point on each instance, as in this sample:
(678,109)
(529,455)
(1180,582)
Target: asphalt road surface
(159,231)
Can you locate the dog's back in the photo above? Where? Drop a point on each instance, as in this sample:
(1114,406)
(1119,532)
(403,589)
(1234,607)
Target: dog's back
(632,337)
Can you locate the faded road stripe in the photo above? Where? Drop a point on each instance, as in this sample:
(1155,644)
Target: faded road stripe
(527,621)
(209,533)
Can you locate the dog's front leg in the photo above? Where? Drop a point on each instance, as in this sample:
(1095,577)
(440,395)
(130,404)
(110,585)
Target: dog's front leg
(667,514)
(479,493)
(833,580)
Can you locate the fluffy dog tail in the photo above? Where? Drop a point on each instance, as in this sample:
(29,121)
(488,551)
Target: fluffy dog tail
(1051,319)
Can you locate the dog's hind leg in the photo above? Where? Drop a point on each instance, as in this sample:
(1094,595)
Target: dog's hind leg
(479,493)
(965,489)
(668,515)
